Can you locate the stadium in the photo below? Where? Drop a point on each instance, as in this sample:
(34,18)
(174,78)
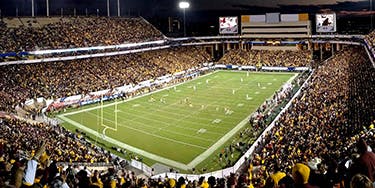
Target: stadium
(114,99)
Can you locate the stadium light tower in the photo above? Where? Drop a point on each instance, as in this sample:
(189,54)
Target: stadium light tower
(32,8)
(371,16)
(108,13)
(47,7)
(184,5)
(118,8)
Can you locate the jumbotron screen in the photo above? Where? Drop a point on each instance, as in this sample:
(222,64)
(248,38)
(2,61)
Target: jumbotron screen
(325,23)
(228,25)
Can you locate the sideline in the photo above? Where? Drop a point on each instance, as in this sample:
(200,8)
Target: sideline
(126,146)
(200,158)
(136,97)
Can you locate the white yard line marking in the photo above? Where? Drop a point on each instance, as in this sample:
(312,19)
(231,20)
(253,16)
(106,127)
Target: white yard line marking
(136,97)
(218,144)
(156,135)
(111,104)
(128,147)
(170,162)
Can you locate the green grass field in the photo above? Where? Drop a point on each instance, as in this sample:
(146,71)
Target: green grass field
(183,125)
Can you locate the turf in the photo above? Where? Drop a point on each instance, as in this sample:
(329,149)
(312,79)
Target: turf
(183,121)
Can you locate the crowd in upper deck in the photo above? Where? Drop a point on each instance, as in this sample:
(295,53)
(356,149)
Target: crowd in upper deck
(76,32)
(323,140)
(281,58)
(67,78)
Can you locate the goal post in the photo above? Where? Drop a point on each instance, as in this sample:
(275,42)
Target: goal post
(113,128)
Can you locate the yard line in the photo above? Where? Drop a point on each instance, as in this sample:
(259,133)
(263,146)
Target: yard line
(156,91)
(156,135)
(199,158)
(168,112)
(219,143)
(128,147)
(136,97)
(179,109)
(159,121)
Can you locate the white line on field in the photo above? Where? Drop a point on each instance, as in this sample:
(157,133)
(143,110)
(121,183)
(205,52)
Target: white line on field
(222,140)
(170,162)
(158,136)
(136,97)
(126,146)
(219,143)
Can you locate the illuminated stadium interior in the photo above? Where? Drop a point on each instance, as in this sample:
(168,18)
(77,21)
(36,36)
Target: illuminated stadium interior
(106,96)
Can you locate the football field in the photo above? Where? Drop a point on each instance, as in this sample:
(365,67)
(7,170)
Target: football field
(181,125)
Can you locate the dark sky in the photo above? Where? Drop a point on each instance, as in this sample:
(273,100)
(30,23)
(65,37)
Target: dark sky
(202,13)
(147,7)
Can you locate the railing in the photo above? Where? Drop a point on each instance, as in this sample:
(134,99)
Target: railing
(121,49)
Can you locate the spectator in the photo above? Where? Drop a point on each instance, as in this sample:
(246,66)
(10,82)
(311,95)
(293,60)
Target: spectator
(361,181)
(325,121)
(76,32)
(301,175)
(365,164)
(267,58)
(62,79)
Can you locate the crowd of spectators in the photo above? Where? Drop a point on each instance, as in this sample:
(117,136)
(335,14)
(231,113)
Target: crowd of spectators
(322,126)
(62,79)
(371,38)
(76,32)
(320,140)
(267,58)
(21,141)
(318,132)
(259,120)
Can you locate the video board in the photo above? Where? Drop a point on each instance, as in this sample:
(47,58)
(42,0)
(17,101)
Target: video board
(326,23)
(228,25)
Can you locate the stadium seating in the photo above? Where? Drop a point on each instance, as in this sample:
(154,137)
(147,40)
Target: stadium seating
(63,79)
(267,58)
(323,128)
(29,34)
(324,123)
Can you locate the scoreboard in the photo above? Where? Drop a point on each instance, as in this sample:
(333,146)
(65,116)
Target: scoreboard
(228,25)
(325,23)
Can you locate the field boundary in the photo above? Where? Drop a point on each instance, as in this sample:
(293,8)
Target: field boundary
(200,158)
(197,160)
(152,92)
(136,97)
(126,146)
(225,138)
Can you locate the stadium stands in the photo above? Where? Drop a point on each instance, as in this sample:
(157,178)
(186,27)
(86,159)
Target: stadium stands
(371,38)
(323,122)
(267,58)
(314,130)
(327,128)
(63,79)
(29,34)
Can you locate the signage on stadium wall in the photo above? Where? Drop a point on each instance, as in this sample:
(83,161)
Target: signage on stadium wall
(326,23)
(228,25)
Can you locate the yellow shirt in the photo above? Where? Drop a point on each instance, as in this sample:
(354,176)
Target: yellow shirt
(204,184)
(277,177)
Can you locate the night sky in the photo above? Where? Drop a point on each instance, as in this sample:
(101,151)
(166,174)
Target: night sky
(148,7)
(202,13)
